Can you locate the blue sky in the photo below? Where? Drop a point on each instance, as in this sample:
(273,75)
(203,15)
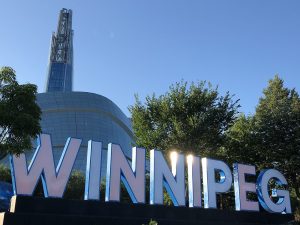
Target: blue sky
(143,46)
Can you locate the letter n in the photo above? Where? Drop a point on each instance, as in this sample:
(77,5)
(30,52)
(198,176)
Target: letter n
(133,177)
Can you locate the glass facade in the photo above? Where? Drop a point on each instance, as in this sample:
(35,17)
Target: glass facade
(60,77)
(86,116)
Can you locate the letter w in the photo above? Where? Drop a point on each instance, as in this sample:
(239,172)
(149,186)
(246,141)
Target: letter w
(42,165)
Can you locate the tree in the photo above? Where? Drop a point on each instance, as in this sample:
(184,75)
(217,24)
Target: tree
(278,127)
(271,137)
(191,119)
(241,142)
(19,114)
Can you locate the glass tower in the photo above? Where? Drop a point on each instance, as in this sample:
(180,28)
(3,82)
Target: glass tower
(67,113)
(60,69)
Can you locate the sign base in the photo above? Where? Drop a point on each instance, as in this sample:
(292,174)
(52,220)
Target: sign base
(53,211)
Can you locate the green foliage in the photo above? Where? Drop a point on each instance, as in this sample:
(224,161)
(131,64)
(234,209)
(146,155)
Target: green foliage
(152,222)
(271,137)
(8,76)
(278,129)
(191,119)
(241,142)
(75,187)
(19,114)
(5,174)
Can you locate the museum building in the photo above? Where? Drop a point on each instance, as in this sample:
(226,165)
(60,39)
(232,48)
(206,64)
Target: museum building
(67,113)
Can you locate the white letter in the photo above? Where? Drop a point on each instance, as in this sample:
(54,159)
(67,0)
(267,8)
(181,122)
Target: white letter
(133,179)
(210,186)
(194,181)
(283,204)
(160,175)
(42,165)
(93,171)
(241,187)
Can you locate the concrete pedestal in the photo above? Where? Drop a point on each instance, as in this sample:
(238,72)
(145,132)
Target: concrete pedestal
(42,211)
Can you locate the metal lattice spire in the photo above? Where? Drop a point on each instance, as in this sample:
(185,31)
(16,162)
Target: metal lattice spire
(60,71)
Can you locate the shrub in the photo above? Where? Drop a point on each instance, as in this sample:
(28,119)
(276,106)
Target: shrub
(152,222)
(5,174)
(75,186)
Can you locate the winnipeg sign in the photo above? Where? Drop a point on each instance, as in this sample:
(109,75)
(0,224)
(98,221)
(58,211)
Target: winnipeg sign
(205,177)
